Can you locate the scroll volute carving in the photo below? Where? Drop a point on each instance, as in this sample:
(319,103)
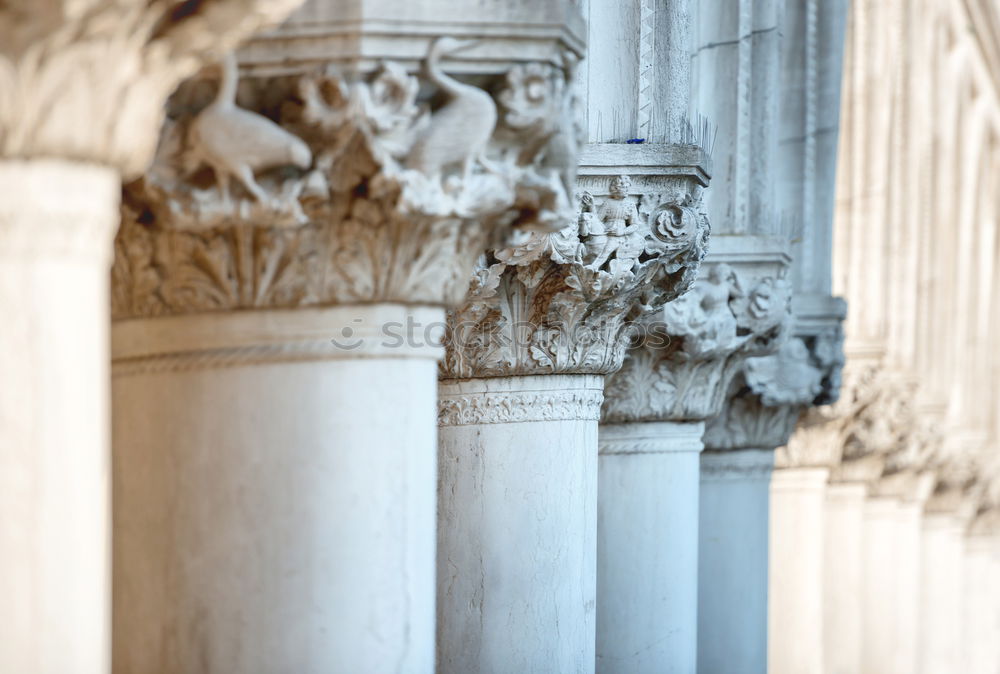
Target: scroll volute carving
(382,188)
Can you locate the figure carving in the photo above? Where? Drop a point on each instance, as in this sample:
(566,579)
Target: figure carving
(682,367)
(615,223)
(460,130)
(237,143)
(581,289)
(397,203)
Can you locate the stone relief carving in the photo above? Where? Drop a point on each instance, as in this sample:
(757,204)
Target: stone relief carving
(768,396)
(567,302)
(345,190)
(682,368)
(513,407)
(86,80)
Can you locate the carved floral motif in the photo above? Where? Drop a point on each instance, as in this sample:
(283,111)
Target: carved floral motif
(568,302)
(681,369)
(347,192)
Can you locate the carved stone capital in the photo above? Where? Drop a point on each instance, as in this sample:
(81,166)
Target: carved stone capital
(569,301)
(681,368)
(870,431)
(86,79)
(320,189)
(771,392)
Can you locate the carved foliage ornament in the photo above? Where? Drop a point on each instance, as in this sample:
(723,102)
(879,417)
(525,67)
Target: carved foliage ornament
(680,370)
(767,398)
(570,301)
(382,189)
(86,79)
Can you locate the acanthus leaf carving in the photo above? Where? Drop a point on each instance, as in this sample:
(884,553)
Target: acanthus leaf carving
(319,189)
(681,368)
(569,301)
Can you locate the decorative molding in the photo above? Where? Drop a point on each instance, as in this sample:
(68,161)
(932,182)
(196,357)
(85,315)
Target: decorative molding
(318,189)
(681,368)
(569,302)
(508,407)
(752,464)
(650,438)
(86,81)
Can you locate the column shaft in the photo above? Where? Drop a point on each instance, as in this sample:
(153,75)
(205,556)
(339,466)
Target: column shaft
(909,515)
(518,524)
(56,224)
(732,561)
(274,493)
(842,574)
(878,586)
(941,591)
(647,547)
(795,613)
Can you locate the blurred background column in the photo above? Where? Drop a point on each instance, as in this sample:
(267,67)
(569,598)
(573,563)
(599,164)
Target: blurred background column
(84,85)
(772,210)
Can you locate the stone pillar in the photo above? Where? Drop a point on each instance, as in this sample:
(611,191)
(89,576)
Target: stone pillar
(733,523)
(910,489)
(941,573)
(278,330)
(518,475)
(671,382)
(84,89)
(545,321)
(842,577)
(880,564)
(795,614)
(648,530)
(979,591)
(57,219)
(765,401)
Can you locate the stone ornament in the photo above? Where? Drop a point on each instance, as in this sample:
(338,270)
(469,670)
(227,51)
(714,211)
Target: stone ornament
(86,79)
(681,369)
(770,393)
(569,301)
(321,189)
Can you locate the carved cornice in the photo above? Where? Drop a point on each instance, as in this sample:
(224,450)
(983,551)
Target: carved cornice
(321,190)
(472,403)
(771,392)
(86,80)
(681,367)
(569,302)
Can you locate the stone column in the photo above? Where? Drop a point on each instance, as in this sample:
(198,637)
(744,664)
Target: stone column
(671,382)
(733,521)
(795,614)
(909,488)
(83,91)
(979,627)
(765,401)
(880,562)
(648,532)
(278,326)
(941,573)
(546,320)
(842,577)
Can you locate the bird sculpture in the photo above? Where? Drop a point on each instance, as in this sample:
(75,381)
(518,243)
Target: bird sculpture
(236,143)
(459,130)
